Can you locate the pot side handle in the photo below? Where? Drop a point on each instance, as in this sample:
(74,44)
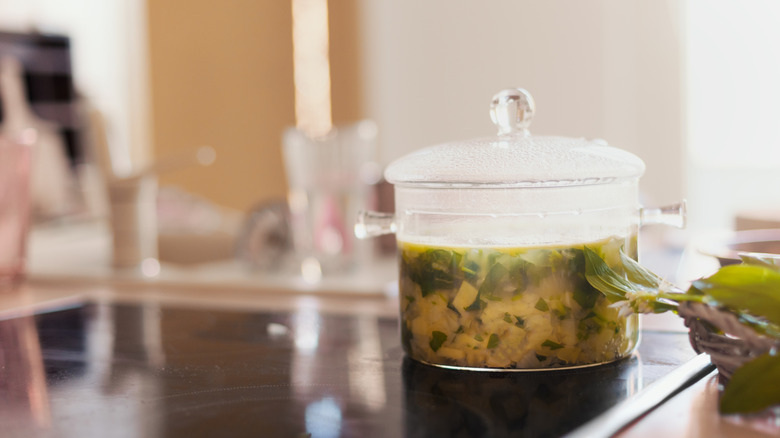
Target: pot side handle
(672,215)
(373,224)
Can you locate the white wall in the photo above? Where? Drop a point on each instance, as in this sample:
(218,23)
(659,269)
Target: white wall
(733,90)
(597,68)
(109,55)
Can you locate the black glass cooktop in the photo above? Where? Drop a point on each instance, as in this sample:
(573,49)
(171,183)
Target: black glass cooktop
(145,370)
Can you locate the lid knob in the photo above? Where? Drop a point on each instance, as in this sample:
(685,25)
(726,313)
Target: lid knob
(512,110)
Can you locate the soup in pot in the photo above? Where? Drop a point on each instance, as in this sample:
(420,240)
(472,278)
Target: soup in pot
(510,308)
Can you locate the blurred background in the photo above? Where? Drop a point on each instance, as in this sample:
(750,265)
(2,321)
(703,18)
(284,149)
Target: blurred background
(688,86)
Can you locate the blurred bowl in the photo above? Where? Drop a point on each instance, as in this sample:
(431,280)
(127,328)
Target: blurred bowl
(758,243)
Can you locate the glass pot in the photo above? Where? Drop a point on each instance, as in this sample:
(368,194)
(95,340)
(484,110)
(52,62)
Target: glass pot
(491,235)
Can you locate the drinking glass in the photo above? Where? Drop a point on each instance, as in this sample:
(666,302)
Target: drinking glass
(330,179)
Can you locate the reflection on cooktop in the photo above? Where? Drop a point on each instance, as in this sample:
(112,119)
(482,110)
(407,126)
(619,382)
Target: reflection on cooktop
(140,370)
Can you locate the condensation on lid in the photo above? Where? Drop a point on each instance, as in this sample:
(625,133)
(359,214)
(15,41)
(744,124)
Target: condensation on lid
(515,158)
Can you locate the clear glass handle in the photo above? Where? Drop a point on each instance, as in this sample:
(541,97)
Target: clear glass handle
(373,224)
(673,215)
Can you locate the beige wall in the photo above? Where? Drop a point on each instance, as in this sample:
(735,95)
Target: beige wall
(346,48)
(598,68)
(222,75)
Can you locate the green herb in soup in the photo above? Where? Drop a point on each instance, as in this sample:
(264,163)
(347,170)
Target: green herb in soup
(510,307)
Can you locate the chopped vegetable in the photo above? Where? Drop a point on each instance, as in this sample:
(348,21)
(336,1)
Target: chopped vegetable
(510,307)
(437,338)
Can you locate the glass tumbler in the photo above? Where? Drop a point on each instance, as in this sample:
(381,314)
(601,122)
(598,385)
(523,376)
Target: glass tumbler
(329,180)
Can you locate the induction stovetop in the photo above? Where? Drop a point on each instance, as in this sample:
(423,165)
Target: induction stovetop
(146,370)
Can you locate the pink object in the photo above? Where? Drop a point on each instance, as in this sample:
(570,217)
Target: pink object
(14,210)
(330,235)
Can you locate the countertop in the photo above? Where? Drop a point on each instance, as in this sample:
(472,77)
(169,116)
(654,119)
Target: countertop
(88,352)
(104,360)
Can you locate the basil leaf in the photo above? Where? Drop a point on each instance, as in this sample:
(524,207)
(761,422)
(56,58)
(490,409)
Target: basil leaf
(492,341)
(753,386)
(552,345)
(478,304)
(604,279)
(488,287)
(492,280)
(745,288)
(434,269)
(518,273)
(437,338)
(638,274)
(586,295)
(541,305)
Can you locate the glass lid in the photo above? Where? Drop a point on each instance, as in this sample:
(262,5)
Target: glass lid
(515,158)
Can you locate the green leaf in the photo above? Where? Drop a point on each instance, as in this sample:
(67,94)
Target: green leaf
(492,280)
(437,339)
(541,305)
(493,341)
(604,279)
(518,274)
(434,270)
(587,327)
(753,386)
(470,269)
(552,345)
(478,304)
(745,288)
(489,285)
(455,261)
(586,295)
(634,279)
(562,312)
(638,274)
